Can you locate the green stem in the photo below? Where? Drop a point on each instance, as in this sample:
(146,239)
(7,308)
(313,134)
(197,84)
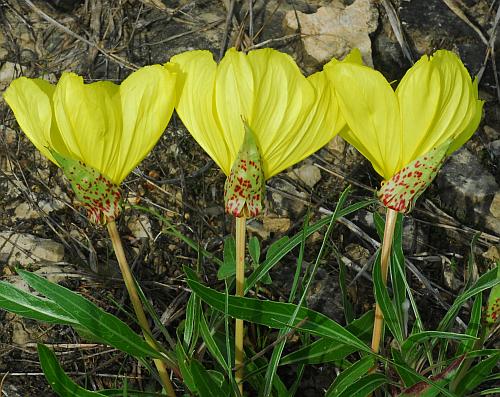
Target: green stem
(137,305)
(240,285)
(390,223)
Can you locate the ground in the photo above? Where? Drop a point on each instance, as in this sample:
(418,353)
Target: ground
(107,39)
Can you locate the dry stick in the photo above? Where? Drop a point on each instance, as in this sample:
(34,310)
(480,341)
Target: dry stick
(390,223)
(136,303)
(240,285)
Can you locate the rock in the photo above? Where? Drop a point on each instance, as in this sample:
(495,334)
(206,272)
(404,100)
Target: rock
(257,228)
(416,235)
(308,174)
(493,253)
(495,206)
(357,253)
(288,205)
(334,30)
(494,148)
(469,191)
(8,72)
(276,225)
(25,211)
(25,249)
(140,227)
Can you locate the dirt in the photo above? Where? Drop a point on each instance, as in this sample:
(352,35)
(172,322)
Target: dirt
(123,34)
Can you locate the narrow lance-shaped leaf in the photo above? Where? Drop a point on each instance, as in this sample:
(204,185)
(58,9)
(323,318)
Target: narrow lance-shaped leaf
(106,327)
(274,314)
(57,378)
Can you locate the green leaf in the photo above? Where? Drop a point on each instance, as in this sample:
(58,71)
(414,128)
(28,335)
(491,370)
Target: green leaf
(274,314)
(212,346)
(426,335)
(92,318)
(275,254)
(398,272)
(350,375)
(323,350)
(425,389)
(205,384)
(493,306)
(385,303)
(27,305)
(228,267)
(185,367)
(254,249)
(365,386)
(57,378)
(477,375)
(192,318)
(486,281)
(404,371)
(473,326)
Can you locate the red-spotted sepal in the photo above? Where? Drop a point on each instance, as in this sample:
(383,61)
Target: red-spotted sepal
(245,185)
(402,191)
(100,197)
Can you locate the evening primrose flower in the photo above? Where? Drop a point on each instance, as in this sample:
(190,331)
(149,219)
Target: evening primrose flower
(255,114)
(408,133)
(97,133)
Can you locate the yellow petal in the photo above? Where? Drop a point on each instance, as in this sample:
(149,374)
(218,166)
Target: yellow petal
(234,97)
(30,100)
(477,109)
(437,103)
(88,117)
(371,111)
(147,102)
(196,105)
(322,122)
(281,118)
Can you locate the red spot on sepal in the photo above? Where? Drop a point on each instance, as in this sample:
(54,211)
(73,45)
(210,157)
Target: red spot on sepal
(244,188)
(402,191)
(95,192)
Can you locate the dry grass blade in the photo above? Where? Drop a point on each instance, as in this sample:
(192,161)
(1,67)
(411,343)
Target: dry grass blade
(453,6)
(397,29)
(123,62)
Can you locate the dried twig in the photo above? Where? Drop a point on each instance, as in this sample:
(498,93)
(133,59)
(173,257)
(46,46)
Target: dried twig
(121,61)
(453,6)
(397,29)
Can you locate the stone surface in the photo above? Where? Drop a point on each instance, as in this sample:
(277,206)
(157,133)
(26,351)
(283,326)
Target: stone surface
(8,72)
(308,174)
(276,225)
(334,30)
(469,191)
(140,227)
(25,249)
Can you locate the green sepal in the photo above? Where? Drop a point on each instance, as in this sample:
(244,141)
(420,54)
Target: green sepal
(100,196)
(245,186)
(402,191)
(492,311)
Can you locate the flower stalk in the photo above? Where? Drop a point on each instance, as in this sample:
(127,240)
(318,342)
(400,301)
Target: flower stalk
(390,223)
(137,305)
(240,286)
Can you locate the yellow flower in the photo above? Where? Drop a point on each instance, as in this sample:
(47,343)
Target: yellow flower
(406,134)
(97,132)
(261,95)
(109,127)
(291,116)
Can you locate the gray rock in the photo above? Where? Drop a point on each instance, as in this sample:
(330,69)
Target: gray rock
(333,30)
(25,249)
(307,173)
(469,191)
